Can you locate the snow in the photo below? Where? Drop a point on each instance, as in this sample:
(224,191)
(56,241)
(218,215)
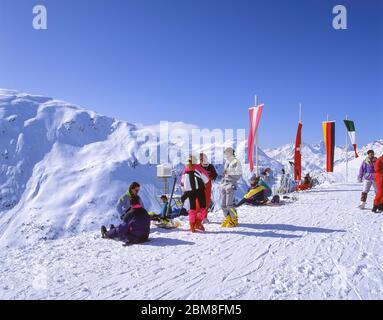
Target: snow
(318,247)
(63,168)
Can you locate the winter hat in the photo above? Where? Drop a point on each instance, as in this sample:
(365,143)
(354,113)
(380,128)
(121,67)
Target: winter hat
(254,180)
(192,160)
(229,151)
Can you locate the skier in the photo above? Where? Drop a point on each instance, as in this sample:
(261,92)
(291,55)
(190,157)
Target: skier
(136,225)
(378,202)
(123,204)
(193,181)
(257,194)
(231,175)
(367,177)
(212,175)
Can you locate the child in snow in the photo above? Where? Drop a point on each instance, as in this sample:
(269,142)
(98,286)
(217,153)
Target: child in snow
(135,228)
(258,194)
(193,181)
(164,214)
(231,175)
(378,202)
(123,204)
(212,175)
(367,176)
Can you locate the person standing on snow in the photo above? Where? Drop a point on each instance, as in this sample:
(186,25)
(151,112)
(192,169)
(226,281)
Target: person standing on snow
(123,204)
(193,182)
(378,201)
(231,175)
(212,175)
(367,177)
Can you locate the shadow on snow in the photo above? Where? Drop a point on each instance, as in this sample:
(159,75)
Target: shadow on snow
(160,242)
(288,227)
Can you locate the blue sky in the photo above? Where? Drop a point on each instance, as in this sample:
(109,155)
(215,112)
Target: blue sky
(202,61)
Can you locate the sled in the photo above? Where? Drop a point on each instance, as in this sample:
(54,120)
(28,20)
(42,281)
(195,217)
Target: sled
(169,225)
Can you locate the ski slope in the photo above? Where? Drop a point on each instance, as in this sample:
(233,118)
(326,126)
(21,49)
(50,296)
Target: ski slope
(318,247)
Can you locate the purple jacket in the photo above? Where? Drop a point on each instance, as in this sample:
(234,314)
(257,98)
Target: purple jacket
(367,170)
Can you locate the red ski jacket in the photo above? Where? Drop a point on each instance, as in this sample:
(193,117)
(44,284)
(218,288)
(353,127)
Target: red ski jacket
(379,182)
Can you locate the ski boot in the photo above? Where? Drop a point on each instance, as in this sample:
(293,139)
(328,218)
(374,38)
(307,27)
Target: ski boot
(104,232)
(226,222)
(199,226)
(231,223)
(362,206)
(192,227)
(375,209)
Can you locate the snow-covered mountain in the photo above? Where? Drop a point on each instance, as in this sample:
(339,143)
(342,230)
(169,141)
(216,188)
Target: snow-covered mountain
(314,159)
(63,168)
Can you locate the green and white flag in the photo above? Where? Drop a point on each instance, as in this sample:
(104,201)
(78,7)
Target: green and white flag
(350,125)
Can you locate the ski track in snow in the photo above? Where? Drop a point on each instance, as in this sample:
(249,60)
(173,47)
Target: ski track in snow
(319,247)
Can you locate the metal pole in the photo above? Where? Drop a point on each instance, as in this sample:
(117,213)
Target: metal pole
(257,143)
(300,112)
(346,153)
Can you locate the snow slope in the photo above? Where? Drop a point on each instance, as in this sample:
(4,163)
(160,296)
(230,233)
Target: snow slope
(319,247)
(63,168)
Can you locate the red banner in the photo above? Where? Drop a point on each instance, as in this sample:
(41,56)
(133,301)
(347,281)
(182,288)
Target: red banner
(255,117)
(298,154)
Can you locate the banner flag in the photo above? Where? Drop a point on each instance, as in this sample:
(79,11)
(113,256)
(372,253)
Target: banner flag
(298,154)
(350,125)
(255,117)
(329,140)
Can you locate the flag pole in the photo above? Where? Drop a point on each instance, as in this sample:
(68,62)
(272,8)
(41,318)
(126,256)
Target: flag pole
(346,153)
(257,143)
(300,112)
(328,117)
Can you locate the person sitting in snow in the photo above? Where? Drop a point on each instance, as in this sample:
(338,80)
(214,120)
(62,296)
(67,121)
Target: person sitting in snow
(123,204)
(268,177)
(258,193)
(136,225)
(378,201)
(307,183)
(164,214)
(367,177)
(193,181)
